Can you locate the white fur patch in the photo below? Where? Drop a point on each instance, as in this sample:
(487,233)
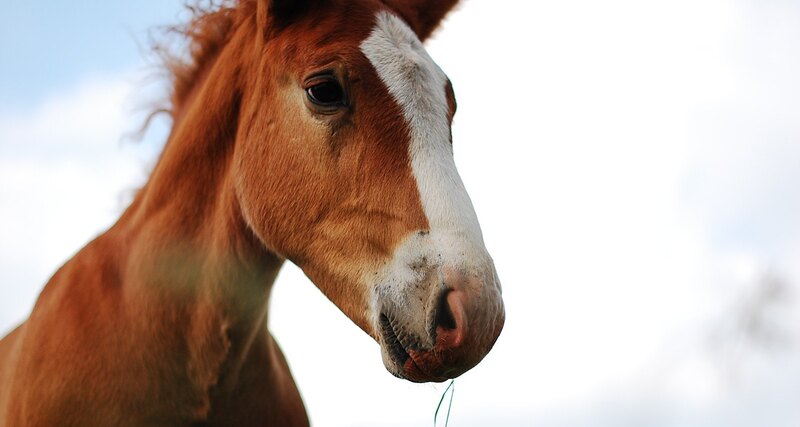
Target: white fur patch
(418,85)
(455,240)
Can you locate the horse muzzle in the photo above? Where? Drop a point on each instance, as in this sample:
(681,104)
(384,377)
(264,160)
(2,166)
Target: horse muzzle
(441,326)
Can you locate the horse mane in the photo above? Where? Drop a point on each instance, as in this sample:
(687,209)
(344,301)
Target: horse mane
(201,38)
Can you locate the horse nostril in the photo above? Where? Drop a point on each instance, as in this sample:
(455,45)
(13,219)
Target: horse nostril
(444,315)
(450,320)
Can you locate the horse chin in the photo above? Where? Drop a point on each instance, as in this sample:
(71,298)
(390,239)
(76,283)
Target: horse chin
(412,372)
(422,367)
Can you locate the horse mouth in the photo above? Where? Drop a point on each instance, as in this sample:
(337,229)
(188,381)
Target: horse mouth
(392,343)
(407,360)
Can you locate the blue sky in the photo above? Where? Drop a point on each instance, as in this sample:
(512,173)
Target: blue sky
(633,165)
(48,45)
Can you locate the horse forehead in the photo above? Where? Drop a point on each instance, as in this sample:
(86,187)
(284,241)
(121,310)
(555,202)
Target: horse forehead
(405,67)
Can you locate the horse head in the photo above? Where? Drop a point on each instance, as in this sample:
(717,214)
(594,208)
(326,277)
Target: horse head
(344,165)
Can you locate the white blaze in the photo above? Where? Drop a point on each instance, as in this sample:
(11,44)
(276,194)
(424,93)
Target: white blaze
(407,287)
(418,85)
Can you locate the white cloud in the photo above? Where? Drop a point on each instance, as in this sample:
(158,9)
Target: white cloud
(88,113)
(620,154)
(65,175)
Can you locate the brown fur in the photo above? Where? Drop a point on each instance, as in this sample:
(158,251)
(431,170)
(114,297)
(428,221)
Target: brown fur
(162,319)
(422,15)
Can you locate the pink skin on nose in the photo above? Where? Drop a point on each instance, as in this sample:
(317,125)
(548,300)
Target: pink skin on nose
(472,326)
(450,339)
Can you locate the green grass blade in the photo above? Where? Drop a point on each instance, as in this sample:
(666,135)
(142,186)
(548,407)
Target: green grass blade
(452,389)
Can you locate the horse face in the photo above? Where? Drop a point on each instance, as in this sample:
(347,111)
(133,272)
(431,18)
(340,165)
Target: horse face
(345,167)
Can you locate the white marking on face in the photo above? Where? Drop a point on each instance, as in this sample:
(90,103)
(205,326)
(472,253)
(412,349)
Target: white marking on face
(419,87)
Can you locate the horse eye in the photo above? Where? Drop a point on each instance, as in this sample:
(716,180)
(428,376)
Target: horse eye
(326,93)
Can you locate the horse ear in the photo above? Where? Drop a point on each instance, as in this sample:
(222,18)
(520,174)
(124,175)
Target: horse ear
(279,11)
(424,16)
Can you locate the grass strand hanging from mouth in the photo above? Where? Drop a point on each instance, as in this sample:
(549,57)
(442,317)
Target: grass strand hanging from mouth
(452,389)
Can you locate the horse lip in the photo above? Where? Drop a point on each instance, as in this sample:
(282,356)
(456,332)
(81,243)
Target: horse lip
(391,342)
(403,357)
(414,373)
(413,369)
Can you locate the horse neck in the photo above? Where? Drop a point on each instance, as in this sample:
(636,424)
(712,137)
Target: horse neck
(194,262)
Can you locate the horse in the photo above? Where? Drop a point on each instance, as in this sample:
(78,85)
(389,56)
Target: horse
(313,131)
